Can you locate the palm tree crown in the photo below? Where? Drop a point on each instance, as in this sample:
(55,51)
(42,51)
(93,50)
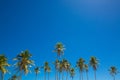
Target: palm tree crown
(3,65)
(59,49)
(113,71)
(24,61)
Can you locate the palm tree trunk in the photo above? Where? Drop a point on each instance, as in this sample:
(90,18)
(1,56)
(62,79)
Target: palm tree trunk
(44,75)
(20,77)
(67,76)
(48,75)
(82,75)
(95,74)
(2,76)
(114,77)
(56,75)
(87,75)
(62,75)
(59,75)
(36,77)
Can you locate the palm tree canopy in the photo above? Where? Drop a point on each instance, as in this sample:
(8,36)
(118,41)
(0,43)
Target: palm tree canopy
(24,61)
(86,67)
(47,67)
(37,70)
(72,72)
(3,64)
(80,64)
(59,48)
(57,64)
(113,70)
(94,62)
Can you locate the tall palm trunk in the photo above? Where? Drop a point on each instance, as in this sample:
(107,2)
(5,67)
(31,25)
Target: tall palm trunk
(36,77)
(87,75)
(48,75)
(62,75)
(2,76)
(114,77)
(67,76)
(45,76)
(20,76)
(82,75)
(95,74)
(56,75)
(59,75)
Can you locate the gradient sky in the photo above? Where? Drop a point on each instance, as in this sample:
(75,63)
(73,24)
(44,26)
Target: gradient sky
(85,27)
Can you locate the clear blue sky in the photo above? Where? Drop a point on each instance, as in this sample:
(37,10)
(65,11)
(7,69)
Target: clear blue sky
(86,28)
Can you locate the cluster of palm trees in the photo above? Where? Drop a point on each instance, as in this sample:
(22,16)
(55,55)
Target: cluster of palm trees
(63,68)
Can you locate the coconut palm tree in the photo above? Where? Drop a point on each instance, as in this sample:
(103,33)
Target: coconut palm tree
(60,70)
(94,63)
(14,77)
(72,73)
(56,63)
(80,66)
(36,70)
(59,49)
(47,69)
(67,68)
(86,69)
(113,71)
(3,65)
(24,62)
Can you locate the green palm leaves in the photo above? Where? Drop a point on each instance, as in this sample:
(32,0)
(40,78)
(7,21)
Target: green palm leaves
(3,65)
(36,70)
(59,49)
(113,71)
(23,62)
(72,72)
(94,64)
(80,66)
(47,69)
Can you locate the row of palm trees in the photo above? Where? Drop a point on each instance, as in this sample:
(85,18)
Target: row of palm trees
(62,66)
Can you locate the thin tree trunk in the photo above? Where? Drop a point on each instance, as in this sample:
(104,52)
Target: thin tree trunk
(2,76)
(45,76)
(59,75)
(48,75)
(62,75)
(20,77)
(95,74)
(82,75)
(55,74)
(114,77)
(87,75)
(67,76)
(36,77)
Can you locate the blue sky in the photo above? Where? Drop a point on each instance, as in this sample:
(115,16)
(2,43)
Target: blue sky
(86,28)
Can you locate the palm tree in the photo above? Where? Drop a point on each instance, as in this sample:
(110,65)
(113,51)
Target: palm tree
(86,69)
(80,65)
(59,49)
(3,65)
(47,69)
(67,68)
(72,73)
(36,70)
(60,70)
(14,77)
(113,71)
(94,64)
(23,62)
(56,63)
